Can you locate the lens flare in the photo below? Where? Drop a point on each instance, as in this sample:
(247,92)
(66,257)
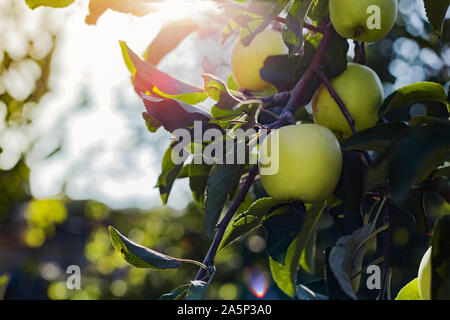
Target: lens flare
(257,281)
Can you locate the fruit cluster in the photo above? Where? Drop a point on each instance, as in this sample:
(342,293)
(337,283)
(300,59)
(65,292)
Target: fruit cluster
(309,157)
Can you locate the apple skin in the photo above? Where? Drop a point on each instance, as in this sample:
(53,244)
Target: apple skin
(246,62)
(349,18)
(425,276)
(309,160)
(362,93)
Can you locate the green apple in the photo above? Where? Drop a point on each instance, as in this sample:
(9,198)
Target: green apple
(246,62)
(362,93)
(363,20)
(425,276)
(309,162)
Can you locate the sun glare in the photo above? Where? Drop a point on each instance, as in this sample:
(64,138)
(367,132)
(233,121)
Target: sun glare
(177,9)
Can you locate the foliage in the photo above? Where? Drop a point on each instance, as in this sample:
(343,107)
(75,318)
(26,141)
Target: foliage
(390,168)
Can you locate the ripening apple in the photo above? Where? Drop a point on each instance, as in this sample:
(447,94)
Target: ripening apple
(363,20)
(362,93)
(309,161)
(246,62)
(425,276)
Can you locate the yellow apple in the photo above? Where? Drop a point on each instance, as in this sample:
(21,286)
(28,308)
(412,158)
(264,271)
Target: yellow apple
(309,162)
(246,62)
(363,20)
(425,276)
(362,93)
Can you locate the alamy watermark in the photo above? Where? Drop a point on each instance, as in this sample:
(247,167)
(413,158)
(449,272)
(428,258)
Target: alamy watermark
(74,280)
(214,146)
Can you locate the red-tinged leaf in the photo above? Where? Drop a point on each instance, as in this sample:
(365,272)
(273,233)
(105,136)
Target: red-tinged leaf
(217,90)
(98,7)
(150,81)
(168,39)
(174,114)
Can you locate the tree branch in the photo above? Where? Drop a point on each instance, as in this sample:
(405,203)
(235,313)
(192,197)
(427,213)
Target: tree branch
(336,98)
(342,106)
(221,227)
(298,91)
(287,117)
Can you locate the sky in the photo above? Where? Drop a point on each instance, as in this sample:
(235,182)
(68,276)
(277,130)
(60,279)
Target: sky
(95,115)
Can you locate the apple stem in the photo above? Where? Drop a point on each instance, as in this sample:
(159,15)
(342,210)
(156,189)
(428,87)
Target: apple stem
(360,53)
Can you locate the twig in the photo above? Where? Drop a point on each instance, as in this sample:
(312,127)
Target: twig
(336,98)
(271,113)
(287,117)
(221,227)
(280,97)
(313,28)
(342,106)
(298,91)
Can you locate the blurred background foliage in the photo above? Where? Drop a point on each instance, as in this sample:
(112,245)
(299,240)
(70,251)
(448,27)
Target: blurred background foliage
(40,238)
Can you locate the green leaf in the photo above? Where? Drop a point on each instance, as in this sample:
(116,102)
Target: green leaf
(318,10)
(410,291)
(344,255)
(417,92)
(285,275)
(350,190)
(415,206)
(33,4)
(231,83)
(377,138)
(440,260)
(4,280)
(307,262)
(335,60)
(140,256)
(283,71)
(248,221)
(442,172)
(168,175)
(295,19)
(177,293)
(198,178)
(304,293)
(283,226)
(412,158)
(335,291)
(218,91)
(220,183)
(251,19)
(197,290)
(436,11)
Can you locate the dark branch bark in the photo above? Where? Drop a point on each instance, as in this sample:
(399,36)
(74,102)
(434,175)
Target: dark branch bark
(336,98)
(221,227)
